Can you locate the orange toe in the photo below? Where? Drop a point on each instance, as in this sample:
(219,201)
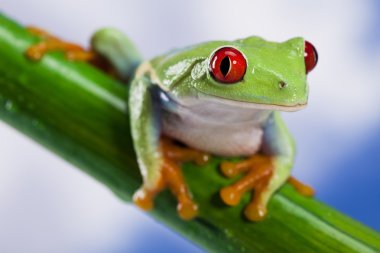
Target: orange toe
(143,199)
(202,159)
(255,212)
(228,169)
(230,196)
(187,210)
(301,188)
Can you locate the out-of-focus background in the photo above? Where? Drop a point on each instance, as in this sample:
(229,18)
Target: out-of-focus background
(46,205)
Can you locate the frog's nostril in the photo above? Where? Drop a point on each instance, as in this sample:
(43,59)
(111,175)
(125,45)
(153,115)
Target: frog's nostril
(282,84)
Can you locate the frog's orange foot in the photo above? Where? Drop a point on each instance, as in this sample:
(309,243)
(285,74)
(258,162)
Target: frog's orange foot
(259,170)
(172,178)
(51,43)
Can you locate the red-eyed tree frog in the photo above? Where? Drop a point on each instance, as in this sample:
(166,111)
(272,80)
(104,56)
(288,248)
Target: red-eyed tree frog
(216,98)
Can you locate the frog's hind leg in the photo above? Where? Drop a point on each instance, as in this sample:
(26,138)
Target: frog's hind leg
(51,43)
(171,177)
(111,51)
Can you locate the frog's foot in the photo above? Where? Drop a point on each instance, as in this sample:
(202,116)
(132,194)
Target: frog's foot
(51,43)
(259,170)
(262,178)
(172,178)
(301,188)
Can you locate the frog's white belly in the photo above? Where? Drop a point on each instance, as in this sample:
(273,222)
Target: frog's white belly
(217,128)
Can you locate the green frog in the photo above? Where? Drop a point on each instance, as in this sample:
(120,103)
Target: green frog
(216,98)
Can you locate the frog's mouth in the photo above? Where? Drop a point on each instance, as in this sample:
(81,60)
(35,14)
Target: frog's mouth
(201,96)
(259,106)
(251,105)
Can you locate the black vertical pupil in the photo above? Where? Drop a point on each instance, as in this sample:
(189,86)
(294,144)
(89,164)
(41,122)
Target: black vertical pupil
(225,66)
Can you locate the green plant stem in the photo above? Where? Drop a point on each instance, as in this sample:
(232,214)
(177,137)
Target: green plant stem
(80,114)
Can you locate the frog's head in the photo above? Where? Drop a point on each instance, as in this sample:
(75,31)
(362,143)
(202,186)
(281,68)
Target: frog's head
(249,72)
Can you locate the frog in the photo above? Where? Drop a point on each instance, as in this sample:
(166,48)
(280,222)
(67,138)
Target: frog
(217,98)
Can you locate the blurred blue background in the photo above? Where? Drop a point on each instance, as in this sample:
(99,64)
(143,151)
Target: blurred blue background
(46,205)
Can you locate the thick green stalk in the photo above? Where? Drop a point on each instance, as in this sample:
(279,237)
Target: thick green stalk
(80,114)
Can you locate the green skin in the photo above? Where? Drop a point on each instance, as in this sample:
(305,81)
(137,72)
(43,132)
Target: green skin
(183,75)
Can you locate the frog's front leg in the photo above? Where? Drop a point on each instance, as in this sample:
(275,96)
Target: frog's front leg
(265,173)
(171,177)
(159,157)
(259,170)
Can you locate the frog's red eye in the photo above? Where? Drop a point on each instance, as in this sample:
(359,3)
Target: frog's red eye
(228,65)
(311,56)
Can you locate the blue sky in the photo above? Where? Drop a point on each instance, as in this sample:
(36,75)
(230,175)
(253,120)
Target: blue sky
(49,206)
(357,194)
(372,34)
